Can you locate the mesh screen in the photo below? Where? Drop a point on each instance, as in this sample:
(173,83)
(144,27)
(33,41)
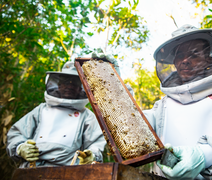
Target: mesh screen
(65,86)
(186,62)
(129,131)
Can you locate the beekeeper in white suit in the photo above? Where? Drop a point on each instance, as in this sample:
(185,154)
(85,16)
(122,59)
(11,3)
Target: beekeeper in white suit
(52,132)
(183,118)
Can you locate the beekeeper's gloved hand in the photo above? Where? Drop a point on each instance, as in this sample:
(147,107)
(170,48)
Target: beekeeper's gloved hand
(100,55)
(192,162)
(28,151)
(88,159)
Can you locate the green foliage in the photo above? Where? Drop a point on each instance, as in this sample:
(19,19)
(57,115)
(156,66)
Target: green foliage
(41,35)
(35,37)
(205,4)
(123,27)
(207,21)
(146,87)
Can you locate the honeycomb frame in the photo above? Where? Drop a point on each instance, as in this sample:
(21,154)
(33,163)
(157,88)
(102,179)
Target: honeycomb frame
(123,149)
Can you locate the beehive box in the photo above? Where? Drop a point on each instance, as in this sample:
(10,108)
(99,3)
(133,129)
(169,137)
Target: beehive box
(129,135)
(101,171)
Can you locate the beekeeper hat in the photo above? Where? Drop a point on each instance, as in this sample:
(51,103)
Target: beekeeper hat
(68,68)
(163,53)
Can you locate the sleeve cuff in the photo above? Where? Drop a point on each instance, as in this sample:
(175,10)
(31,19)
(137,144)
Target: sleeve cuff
(17,149)
(207,150)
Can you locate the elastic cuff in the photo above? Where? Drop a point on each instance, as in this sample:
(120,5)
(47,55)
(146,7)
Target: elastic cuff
(207,150)
(94,157)
(17,150)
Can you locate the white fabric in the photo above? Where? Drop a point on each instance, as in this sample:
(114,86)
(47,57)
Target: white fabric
(188,93)
(185,124)
(58,125)
(78,104)
(207,150)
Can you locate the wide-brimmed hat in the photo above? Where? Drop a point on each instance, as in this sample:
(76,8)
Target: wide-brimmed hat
(185,33)
(68,68)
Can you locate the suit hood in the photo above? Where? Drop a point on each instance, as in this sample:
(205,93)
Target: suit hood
(75,104)
(190,92)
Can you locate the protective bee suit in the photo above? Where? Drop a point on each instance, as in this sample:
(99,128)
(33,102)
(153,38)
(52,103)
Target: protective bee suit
(60,126)
(183,117)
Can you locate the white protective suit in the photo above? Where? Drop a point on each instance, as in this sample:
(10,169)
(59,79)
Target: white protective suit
(59,127)
(184,116)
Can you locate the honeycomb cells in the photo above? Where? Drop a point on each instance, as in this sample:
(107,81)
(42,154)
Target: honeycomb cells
(129,130)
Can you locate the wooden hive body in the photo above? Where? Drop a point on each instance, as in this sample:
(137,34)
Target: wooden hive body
(102,171)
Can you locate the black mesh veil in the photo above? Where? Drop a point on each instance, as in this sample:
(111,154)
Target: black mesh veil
(64,86)
(186,62)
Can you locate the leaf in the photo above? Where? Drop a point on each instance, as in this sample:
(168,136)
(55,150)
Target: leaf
(7,120)
(90,34)
(11,99)
(9,77)
(208,16)
(4,134)
(8,39)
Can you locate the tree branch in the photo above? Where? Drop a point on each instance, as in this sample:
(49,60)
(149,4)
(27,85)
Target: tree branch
(72,47)
(64,47)
(173,20)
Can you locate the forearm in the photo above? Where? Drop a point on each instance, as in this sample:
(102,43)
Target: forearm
(97,148)
(14,139)
(21,131)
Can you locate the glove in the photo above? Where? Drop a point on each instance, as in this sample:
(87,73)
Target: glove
(28,151)
(192,162)
(100,55)
(88,159)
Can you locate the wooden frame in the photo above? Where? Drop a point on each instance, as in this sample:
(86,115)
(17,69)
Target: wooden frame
(101,171)
(113,148)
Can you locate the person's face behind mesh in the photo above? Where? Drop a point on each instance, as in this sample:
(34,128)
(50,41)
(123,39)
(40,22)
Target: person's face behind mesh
(69,86)
(191,59)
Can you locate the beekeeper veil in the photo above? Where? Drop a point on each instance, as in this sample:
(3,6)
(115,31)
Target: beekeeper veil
(65,88)
(186,57)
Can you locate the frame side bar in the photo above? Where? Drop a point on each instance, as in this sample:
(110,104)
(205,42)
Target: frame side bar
(105,130)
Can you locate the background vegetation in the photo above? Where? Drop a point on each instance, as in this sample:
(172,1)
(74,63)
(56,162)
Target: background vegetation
(41,35)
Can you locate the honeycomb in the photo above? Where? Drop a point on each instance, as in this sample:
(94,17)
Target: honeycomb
(128,129)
